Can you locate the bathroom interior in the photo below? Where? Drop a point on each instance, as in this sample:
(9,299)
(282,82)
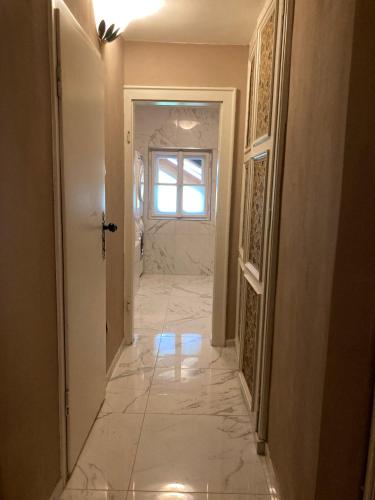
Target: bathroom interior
(175,173)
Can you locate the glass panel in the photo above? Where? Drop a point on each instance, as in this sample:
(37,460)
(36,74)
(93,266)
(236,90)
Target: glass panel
(193,170)
(193,200)
(166,169)
(165,199)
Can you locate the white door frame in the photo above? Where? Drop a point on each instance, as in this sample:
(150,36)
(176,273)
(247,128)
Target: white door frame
(226,97)
(58,237)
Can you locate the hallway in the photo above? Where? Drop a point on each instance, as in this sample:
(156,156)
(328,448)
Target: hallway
(174,424)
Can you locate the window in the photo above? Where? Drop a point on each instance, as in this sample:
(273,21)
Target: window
(180,184)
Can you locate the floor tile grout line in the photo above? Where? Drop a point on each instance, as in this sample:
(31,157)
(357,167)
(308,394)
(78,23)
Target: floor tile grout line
(145,410)
(221,493)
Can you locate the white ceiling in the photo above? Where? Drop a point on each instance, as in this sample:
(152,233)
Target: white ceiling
(198,21)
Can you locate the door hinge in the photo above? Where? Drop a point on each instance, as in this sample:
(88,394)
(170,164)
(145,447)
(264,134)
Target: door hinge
(128,306)
(128,137)
(58,81)
(67,403)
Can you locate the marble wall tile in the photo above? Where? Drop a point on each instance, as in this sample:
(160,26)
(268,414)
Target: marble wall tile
(163,127)
(194,254)
(157,226)
(192,227)
(159,254)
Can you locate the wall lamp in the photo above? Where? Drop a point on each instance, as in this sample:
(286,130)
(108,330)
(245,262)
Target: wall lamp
(113,16)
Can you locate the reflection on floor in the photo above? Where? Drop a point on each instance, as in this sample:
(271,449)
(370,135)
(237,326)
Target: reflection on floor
(173,425)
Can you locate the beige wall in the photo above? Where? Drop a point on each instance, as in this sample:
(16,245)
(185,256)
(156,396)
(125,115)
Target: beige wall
(29,418)
(113,58)
(199,66)
(350,370)
(324,325)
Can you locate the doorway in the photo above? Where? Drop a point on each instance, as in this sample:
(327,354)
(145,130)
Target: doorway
(170,169)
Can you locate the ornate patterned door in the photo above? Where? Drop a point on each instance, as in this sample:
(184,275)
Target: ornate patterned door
(257,200)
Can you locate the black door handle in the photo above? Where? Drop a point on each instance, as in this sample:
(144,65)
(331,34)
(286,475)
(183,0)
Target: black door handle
(110,227)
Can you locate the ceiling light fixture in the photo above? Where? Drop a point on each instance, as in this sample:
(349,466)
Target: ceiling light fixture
(187,124)
(113,16)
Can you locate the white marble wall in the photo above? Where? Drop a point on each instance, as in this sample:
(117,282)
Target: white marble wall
(178,246)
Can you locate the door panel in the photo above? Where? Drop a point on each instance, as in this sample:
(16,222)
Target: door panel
(81,115)
(257,213)
(257,206)
(267,32)
(250,339)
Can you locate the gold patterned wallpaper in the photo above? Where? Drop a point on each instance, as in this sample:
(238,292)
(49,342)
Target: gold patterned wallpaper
(245,209)
(263,118)
(257,208)
(250,338)
(250,108)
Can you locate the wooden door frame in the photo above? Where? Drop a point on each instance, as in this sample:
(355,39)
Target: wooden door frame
(227,98)
(59,256)
(369,491)
(53,27)
(267,286)
(282,98)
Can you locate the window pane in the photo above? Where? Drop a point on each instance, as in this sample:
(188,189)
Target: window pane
(166,169)
(165,199)
(193,200)
(193,170)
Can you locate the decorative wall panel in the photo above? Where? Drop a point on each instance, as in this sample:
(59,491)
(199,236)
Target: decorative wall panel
(245,209)
(266,57)
(250,338)
(241,301)
(249,130)
(257,211)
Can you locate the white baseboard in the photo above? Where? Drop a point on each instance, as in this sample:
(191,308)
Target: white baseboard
(59,488)
(271,476)
(247,397)
(116,358)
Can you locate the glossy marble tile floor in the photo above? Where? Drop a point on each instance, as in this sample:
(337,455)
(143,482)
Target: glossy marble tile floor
(173,425)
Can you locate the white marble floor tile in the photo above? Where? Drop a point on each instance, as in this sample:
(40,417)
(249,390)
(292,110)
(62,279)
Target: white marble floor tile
(128,392)
(146,331)
(196,391)
(141,354)
(154,285)
(201,326)
(157,495)
(150,311)
(187,350)
(186,286)
(193,291)
(198,453)
(183,308)
(93,495)
(107,459)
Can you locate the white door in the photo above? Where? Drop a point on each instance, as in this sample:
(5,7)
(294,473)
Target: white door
(81,114)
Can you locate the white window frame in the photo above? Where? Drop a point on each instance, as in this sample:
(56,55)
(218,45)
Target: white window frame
(207,176)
